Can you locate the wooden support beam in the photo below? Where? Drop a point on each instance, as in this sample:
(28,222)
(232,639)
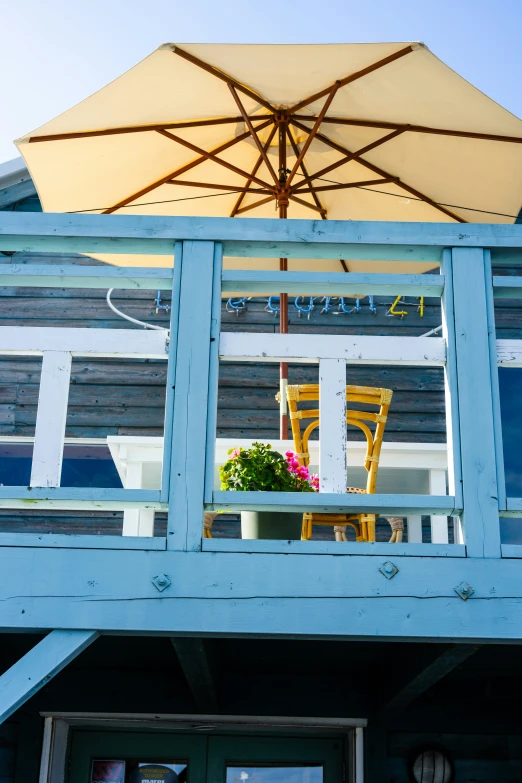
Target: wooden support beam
(40,665)
(194,660)
(435,671)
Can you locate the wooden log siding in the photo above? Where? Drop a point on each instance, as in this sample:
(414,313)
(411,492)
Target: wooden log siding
(109,397)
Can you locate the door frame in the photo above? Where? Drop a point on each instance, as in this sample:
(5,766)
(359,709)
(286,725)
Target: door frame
(58,726)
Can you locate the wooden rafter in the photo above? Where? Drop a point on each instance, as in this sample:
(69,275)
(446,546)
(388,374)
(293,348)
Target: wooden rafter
(347,185)
(254,135)
(256,204)
(348,158)
(143,128)
(413,128)
(223,77)
(304,171)
(254,171)
(383,173)
(214,186)
(352,78)
(178,172)
(213,157)
(305,203)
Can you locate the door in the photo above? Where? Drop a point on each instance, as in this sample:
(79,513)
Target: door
(166,757)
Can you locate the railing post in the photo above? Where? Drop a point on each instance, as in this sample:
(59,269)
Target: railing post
(53,396)
(189,431)
(213,374)
(171,372)
(475,403)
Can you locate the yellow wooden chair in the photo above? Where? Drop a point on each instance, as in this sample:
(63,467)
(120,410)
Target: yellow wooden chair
(363,524)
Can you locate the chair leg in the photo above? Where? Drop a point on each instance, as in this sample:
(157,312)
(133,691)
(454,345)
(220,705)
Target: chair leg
(338,532)
(306,529)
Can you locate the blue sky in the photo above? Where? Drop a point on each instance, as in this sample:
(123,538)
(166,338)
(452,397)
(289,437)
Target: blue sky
(56,53)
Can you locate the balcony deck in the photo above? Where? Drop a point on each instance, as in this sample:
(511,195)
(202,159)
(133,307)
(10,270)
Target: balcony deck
(267,587)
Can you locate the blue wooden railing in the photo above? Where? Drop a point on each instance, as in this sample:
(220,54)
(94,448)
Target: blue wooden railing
(469,351)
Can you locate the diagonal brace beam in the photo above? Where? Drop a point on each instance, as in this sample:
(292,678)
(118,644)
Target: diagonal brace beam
(40,665)
(193,658)
(435,671)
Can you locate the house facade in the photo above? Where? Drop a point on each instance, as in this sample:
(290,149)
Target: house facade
(136,648)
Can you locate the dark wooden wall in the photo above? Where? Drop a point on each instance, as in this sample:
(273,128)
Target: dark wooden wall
(127,397)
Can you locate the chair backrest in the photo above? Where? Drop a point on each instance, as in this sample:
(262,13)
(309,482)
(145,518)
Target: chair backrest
(365,395)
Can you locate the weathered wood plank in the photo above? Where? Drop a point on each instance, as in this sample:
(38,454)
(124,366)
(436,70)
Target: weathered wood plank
(336,283)
(81,342)
(332,502)
(72,276)
(144,234)
(337,596)
(407,351)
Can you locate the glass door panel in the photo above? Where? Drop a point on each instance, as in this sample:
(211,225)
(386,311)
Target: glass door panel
(137,757)
(274,760)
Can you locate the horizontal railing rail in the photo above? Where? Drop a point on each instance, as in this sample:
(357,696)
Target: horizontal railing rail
(467,350)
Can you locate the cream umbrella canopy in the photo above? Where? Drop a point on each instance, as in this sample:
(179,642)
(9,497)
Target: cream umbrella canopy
(344,131)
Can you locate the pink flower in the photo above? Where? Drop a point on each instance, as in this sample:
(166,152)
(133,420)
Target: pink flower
(295,463)
(289,454)
(234,454)
(303,472)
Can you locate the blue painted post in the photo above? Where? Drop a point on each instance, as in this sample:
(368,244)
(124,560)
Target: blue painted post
(189,432)
(213,376)
(451,391)
(479,472)
(171,373)
(495,391)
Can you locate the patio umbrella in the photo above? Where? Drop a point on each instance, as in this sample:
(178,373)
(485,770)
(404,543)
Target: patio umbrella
(345,131)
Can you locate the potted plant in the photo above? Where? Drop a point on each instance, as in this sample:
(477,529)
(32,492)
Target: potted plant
(260,469)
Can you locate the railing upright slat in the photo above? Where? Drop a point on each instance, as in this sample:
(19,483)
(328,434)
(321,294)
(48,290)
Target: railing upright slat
(332,415)
(46,469)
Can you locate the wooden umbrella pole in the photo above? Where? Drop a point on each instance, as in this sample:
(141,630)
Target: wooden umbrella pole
(283,298)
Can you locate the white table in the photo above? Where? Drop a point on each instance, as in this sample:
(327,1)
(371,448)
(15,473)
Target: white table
(404,468)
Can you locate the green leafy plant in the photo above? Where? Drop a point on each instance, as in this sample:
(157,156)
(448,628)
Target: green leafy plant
(259,469)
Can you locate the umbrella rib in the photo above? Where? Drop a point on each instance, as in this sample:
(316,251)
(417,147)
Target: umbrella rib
(305,203)
(416,129)
(305,173)
(256,204)
(344,185)
(179,171)
(353,77)
(313,132)
(250,127)
(254,170)
(140,128)
(382,173)
(211,156)
(213,186)
(223,76)
(350,157)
